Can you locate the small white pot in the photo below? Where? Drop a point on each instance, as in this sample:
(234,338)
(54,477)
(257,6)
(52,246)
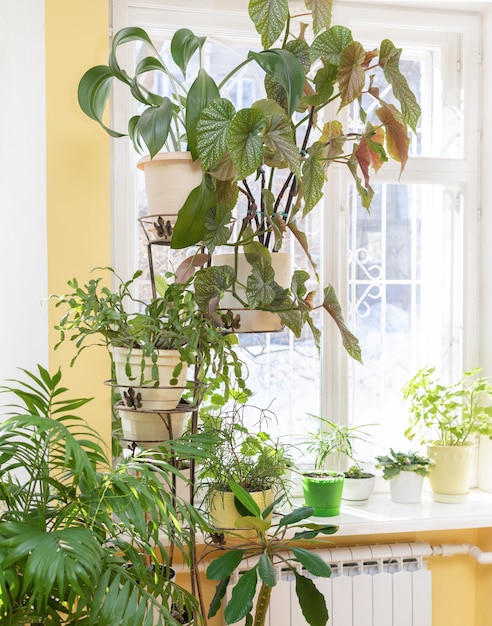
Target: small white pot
(406,488)
(147,430)
(163,397)
(169,178)
(253,320)
(356,491)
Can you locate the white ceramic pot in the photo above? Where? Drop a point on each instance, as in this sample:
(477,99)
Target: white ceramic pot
(169,178)
(485,464)
(356,491)
(164,396)
(253,320)
(147,430)
(406,488)
(450,475)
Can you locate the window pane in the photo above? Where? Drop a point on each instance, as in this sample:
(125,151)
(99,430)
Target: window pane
(402,286)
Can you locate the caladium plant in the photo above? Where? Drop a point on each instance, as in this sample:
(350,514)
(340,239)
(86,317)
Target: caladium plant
(273,545)
(276,153)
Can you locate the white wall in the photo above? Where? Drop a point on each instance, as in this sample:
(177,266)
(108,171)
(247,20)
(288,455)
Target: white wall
(23,253)
(486,200)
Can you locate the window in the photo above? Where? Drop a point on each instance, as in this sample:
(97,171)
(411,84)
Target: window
(398,270)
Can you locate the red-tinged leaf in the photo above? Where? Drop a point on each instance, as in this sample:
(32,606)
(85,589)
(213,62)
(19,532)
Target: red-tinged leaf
(397,139)
(389,59)
(186,268)
(302,239)
(351,74)
(362,154)
(333,138)
(350,341)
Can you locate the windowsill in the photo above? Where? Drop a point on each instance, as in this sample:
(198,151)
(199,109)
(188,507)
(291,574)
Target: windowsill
(380,515)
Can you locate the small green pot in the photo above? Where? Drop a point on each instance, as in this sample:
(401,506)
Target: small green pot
(323,491)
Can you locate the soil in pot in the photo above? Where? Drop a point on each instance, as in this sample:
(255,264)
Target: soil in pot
(323,491)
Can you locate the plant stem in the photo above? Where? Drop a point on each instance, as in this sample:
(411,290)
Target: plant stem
(262,604)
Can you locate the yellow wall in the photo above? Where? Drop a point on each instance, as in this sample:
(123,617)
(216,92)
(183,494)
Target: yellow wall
(78,201)
(78,184)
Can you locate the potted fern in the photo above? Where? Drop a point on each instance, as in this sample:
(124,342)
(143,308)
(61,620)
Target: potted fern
(274,154)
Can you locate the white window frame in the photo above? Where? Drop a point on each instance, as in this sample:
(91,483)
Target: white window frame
(216,20)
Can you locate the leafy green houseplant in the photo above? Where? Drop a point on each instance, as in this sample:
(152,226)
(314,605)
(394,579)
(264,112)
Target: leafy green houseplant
(274,154)
(82,541)
(270,547)
(249,458)
(395,462)
(445,417)
(141,332)
(406,472)
(323,487)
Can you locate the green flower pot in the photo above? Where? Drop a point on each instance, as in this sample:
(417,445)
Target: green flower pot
(323,491)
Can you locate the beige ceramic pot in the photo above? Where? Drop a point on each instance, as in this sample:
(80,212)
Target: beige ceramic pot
(148,429)
(224,515)
(450,475)
(169,178)
(165,396)
(253,320)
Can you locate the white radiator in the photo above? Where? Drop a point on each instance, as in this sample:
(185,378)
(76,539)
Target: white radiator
(373,585)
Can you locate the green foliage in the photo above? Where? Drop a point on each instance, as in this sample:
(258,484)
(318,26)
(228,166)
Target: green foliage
(334,439)
(275,153)
(80,540)
(447,414)
(270,548)
(395,462)
(251,459)
(96,315)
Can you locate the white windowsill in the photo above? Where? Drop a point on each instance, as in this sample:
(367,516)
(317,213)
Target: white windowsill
(380,515)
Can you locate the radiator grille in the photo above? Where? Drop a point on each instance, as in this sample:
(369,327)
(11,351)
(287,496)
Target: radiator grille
(373,585)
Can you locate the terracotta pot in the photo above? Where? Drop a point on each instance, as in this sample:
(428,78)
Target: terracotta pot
(253,320)
(169,178)
(163,397)
(450,475)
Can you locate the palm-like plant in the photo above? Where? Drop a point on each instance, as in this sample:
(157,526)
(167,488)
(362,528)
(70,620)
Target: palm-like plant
(271,547)
(81,541)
